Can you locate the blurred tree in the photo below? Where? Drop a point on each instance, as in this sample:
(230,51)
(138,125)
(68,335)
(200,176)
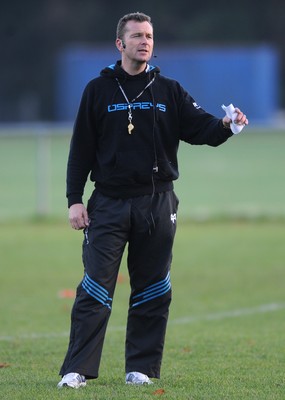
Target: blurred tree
(32,33)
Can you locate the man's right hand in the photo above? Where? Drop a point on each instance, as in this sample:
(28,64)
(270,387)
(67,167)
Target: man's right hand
(78,216)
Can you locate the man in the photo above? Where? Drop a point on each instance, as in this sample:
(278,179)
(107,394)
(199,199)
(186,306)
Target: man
(127,132)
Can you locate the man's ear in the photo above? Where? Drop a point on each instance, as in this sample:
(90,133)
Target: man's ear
(120,44)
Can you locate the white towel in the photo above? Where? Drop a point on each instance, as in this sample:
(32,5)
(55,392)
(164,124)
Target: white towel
(231,113)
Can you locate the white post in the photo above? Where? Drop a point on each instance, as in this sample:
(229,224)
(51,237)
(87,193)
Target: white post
(43,172)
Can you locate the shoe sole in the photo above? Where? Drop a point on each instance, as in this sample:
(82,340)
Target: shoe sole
(72,387)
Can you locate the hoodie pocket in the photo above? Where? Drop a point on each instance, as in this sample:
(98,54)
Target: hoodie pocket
(133,166)
(167,170)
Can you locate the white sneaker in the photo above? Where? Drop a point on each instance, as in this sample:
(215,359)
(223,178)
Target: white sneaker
(137,378)
(72,380)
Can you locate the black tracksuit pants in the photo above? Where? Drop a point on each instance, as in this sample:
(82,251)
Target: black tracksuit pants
(148,225)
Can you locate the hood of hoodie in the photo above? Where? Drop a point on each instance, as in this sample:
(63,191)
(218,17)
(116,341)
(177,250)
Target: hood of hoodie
(116,71)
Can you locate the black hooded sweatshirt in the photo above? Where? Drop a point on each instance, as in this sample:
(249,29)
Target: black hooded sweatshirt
(124,165)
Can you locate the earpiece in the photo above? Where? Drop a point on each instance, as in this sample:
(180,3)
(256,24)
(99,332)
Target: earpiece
(123,44)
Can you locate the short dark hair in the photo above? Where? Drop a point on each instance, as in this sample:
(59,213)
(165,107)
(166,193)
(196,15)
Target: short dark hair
(137,16)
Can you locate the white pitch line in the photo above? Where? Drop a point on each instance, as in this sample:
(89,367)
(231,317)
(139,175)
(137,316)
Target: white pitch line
(265,308)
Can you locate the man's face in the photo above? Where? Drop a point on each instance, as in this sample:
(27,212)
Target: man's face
(138,39)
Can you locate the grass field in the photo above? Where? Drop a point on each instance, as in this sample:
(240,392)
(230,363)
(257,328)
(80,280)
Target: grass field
(226,332)
(225,338)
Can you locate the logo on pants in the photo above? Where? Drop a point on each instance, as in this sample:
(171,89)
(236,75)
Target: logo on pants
(173,218)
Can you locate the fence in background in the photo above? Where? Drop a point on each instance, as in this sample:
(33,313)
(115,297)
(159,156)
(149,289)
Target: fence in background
(243,177)
(32,168)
